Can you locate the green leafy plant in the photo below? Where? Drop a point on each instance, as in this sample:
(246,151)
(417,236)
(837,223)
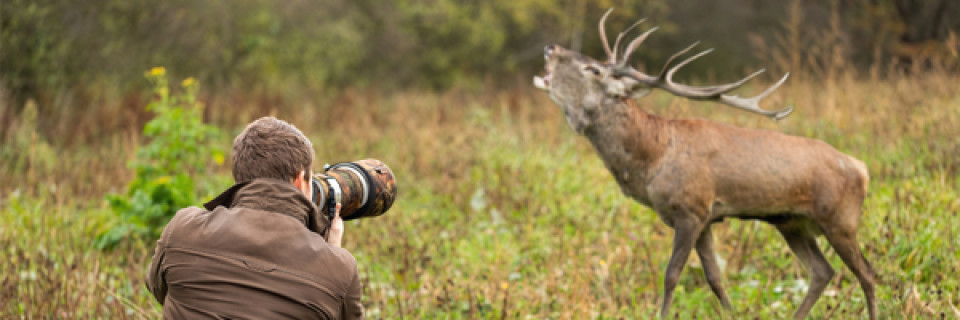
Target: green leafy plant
(179,147)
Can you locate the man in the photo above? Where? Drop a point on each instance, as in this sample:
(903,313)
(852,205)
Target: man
(258,250)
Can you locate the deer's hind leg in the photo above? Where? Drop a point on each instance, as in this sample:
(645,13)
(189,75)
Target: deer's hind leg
(842,235)
(801,239)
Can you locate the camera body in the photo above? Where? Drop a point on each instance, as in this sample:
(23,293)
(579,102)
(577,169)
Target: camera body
(363,188)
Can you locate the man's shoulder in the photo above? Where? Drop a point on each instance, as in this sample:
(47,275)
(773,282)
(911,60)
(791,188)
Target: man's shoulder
(249,232)
(339,268)
(344,256)
(182,218)
(189,213)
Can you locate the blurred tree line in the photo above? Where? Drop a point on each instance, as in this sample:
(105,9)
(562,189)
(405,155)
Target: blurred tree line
(52,50)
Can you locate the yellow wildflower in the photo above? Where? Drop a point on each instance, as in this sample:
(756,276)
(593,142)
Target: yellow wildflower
(218,158)
(158,71)
(504,285)
(188,81)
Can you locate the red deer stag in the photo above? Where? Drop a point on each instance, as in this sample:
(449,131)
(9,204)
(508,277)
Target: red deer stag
(695,172)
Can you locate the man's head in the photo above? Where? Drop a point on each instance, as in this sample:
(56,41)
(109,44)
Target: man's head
(272,148)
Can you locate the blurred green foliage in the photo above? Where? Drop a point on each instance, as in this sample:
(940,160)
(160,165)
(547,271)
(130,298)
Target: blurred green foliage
(77,58)
(57,45)
(50,45)
(180,147)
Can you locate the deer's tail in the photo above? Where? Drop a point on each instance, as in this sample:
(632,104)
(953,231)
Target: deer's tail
(864,175)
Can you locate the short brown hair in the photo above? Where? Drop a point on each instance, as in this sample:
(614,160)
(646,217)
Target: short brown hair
(271,148)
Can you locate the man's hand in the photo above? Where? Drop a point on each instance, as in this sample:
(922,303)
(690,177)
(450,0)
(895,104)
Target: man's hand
(335,235)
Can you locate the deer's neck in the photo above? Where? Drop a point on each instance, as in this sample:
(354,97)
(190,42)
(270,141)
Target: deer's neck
(628,139)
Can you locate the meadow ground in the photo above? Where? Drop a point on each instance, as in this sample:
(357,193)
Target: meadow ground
(504,213)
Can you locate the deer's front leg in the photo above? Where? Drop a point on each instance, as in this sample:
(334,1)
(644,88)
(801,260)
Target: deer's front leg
(708,259)
(686,232)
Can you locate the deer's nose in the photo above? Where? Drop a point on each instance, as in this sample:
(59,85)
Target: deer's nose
(548,50)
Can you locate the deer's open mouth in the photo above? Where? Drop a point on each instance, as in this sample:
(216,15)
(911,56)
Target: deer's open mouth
(543,82)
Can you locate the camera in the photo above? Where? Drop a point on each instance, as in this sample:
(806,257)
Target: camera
(363,188)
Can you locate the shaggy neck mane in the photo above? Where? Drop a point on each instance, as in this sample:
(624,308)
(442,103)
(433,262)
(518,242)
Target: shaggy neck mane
(622,129)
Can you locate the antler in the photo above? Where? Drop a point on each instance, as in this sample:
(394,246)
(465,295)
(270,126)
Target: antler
(603,36)
(612,52)
(664,80)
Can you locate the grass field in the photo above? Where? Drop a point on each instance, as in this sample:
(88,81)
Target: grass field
(503,212)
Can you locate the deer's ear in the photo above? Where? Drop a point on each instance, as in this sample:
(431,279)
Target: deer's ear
(623,86)
(634,89)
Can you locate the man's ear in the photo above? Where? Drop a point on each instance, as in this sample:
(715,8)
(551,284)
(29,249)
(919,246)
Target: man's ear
(296,179)
(302,181)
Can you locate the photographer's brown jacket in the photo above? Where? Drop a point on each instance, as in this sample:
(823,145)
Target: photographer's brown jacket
(256,254)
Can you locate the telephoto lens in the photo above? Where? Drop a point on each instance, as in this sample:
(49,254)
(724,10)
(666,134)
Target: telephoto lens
(363,188)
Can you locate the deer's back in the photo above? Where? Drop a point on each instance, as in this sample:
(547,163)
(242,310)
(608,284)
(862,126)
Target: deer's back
(756,171)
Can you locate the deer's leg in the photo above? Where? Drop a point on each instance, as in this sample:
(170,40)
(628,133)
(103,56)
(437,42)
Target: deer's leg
(708,258)
(686,232)
(804,245)
(843,238)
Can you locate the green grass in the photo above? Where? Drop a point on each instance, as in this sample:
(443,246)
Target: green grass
(504,212)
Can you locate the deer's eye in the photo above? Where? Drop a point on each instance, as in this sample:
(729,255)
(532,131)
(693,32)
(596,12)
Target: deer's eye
(592,69)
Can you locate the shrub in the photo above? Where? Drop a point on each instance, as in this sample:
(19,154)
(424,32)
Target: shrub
(179,146)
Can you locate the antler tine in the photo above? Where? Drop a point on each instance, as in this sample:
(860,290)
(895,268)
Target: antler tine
(603,33)
(720,89)
(666,66)
(635,44)
(616,44)
(703,92)
(753,104)
(669,76)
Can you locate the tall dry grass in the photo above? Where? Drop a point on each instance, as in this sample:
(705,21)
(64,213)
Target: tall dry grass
(505,213)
